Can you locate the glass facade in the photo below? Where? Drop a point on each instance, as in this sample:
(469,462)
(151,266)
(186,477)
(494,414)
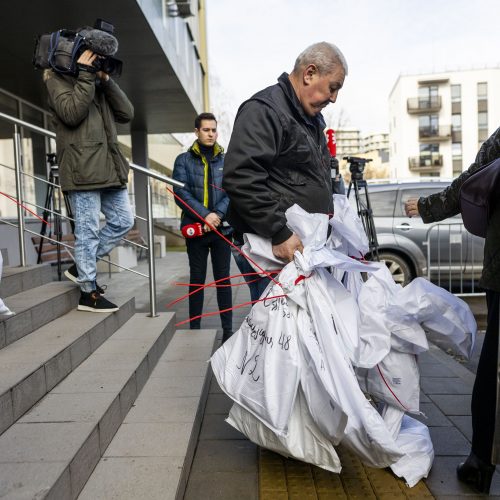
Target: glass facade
(33,151)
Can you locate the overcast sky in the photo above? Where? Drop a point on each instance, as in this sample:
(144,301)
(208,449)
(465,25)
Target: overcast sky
(251,42)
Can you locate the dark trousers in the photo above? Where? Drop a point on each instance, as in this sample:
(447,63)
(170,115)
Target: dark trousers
(483,406)
(220,253)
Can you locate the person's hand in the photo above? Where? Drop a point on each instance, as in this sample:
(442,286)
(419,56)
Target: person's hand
(87,58)
(102,76)
(213,219)
(411,207)
(286,249)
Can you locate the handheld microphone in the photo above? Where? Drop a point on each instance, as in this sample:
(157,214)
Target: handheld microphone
(192,230)
(338,186)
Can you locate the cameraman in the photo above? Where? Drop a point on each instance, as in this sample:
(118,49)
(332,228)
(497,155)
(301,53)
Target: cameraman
(278,154)
(92,168)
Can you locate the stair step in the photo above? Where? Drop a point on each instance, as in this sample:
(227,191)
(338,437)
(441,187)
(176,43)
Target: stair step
(51,452)
(151,454)
(32,366)
(19,279)
(35,308)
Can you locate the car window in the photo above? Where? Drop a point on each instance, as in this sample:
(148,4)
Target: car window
(406,194)
(382,202)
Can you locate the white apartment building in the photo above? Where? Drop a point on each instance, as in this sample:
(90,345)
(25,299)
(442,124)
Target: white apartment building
(378,143)
(374,147)
(349,142)
(438,121)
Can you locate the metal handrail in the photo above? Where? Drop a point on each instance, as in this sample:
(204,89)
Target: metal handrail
(20,213)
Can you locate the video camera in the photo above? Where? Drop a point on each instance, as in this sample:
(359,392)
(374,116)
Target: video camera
(357,166)
(61,49)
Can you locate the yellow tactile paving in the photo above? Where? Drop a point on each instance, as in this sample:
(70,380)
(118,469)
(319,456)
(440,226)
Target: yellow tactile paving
(286,479)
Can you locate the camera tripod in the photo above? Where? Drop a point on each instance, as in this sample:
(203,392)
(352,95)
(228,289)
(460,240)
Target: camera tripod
(365,213)
(52,210)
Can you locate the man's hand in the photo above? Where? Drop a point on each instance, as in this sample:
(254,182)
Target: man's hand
(87,58)
(102,76)
(213,219)
(411,207)
(286,249)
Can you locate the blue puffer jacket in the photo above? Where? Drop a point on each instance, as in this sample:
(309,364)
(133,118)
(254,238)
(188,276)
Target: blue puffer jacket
(192,169)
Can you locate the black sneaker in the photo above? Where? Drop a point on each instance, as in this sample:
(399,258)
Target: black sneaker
(72,274)
(94,302)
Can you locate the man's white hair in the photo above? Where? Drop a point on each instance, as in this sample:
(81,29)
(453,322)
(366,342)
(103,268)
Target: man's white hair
(324,55)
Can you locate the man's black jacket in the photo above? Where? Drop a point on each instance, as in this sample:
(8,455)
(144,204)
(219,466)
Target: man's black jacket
(277,157)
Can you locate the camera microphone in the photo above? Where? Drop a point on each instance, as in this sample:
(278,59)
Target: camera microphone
(338,186)
(99,42)
(192,230)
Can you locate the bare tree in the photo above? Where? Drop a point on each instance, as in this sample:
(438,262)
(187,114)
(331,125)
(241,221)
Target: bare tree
(223,106)
(336,118)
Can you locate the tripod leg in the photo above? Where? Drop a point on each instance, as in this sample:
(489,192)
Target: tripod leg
(45,216)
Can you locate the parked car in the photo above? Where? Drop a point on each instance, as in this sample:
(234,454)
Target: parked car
(405,244)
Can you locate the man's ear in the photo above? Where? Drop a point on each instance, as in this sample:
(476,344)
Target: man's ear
(309,73)
(197,132)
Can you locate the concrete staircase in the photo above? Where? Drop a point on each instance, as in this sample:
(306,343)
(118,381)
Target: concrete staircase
(71,380)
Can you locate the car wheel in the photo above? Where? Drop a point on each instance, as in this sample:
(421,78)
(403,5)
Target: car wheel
(398,267)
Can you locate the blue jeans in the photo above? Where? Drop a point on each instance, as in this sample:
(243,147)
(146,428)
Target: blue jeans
(259,284)
(92,242)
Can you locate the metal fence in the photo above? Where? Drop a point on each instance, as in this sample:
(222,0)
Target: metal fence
(454,258)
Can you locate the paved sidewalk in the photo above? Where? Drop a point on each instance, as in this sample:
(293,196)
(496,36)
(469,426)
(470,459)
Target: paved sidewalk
(226,464)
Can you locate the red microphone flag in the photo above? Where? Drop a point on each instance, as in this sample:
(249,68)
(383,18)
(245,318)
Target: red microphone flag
(332,144)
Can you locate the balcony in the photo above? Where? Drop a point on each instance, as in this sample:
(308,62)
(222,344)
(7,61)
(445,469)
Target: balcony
(416,105)
(433,133)
(426,163)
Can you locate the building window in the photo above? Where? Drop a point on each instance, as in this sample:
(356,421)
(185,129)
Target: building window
(482,90)
(428,125)
(456,123)
(429,155)
(456,149)
(456,128)
(427,96)
(456,93)
(456,154)
(482,125)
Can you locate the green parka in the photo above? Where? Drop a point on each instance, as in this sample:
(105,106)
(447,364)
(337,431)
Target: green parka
(445,204)
(85,114)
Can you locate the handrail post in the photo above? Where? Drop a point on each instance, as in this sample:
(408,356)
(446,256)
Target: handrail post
(151,252)
(19,194)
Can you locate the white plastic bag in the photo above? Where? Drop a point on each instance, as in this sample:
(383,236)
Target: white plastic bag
(414,440)
(348,233)
(258,367)
(441,313)
(395,380)
(326,412)
(260,250)
(365,432)
(304,441)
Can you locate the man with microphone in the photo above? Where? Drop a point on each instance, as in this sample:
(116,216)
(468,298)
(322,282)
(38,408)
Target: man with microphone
(200,169)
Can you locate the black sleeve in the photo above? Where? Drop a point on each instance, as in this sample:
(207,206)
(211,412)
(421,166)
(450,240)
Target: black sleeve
(446,203)
(254,146)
